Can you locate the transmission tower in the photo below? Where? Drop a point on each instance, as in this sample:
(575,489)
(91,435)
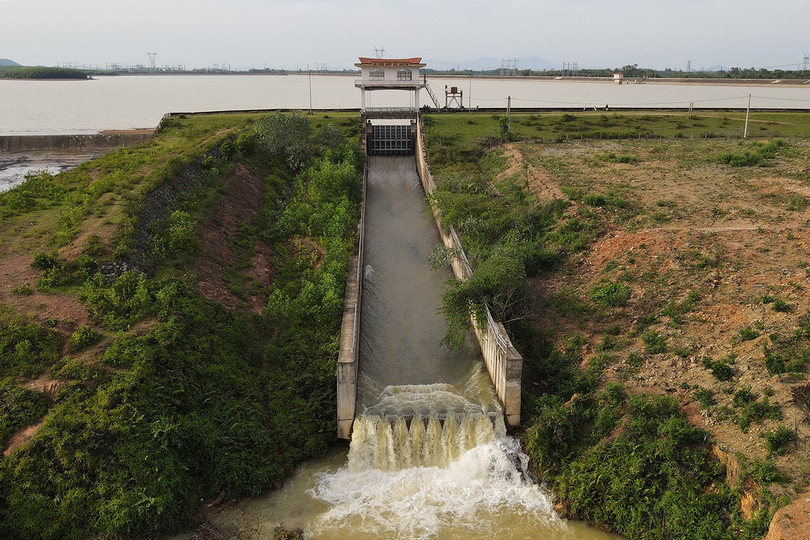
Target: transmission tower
(152,57)
(806,62)
(379,53)
(509,66)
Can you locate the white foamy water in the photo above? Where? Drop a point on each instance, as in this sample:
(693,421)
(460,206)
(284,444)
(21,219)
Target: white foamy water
(481,494)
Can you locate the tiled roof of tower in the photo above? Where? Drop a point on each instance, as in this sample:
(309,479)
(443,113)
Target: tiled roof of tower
(364,61)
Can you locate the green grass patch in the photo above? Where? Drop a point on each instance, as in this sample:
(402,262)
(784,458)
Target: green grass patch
(609,294)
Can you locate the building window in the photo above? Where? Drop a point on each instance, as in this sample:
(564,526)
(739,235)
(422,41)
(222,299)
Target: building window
(404,75)
(376,74)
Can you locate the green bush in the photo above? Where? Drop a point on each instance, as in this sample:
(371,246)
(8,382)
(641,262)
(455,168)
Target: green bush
(705,397)
(757,156)
(26,347)
(777,442)
(83,337)
(748,333)
(722,371)
(654,342)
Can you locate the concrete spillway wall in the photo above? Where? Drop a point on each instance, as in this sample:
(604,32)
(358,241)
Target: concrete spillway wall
(349,352)
(504,363)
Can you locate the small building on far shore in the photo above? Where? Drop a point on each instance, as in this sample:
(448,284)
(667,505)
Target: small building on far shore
(618,77)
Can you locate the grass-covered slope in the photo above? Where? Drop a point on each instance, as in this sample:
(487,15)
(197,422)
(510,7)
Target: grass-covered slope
(154,396)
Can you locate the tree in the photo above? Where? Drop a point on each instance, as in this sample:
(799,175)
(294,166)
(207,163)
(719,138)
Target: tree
(287,136)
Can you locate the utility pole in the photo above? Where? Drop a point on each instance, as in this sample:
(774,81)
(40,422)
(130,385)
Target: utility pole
(310,89)
(747,114)
(509,114)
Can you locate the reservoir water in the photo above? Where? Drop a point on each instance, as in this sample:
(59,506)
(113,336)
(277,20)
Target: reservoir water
(130,101)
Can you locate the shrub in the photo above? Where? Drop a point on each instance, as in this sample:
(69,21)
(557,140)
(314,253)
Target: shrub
(748,333)
(705,397)
(778,440)
(774,363)
(83,337)
(26,347)
(722,371)
(654,343)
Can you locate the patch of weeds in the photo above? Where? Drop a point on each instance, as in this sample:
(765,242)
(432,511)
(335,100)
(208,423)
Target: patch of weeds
(778,441)
(608,343)
(23,290)
(705,397)
(758,155)
(634,360)
(568,303)
(683,351)
(789,354)
(721,370)
(654,342)
(613,157)
(748,333)
(765,472)
(796,203)
(83,337)
(595,199)
(753,410)
(613,330)
(676,310)
(780,306)
(609,294)
(599,362)
(742,397)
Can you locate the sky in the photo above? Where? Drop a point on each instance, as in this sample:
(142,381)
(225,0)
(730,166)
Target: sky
(294,34)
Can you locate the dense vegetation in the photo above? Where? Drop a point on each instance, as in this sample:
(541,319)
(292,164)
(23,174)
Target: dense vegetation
(41,72)
(170,398)
(623,459)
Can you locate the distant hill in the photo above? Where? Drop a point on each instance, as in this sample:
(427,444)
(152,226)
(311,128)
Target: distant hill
(7,62)
(489,63)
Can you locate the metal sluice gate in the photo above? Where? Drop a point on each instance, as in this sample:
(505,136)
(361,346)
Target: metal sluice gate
(390,140)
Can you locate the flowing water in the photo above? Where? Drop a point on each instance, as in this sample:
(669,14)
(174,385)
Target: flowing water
(429,455)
